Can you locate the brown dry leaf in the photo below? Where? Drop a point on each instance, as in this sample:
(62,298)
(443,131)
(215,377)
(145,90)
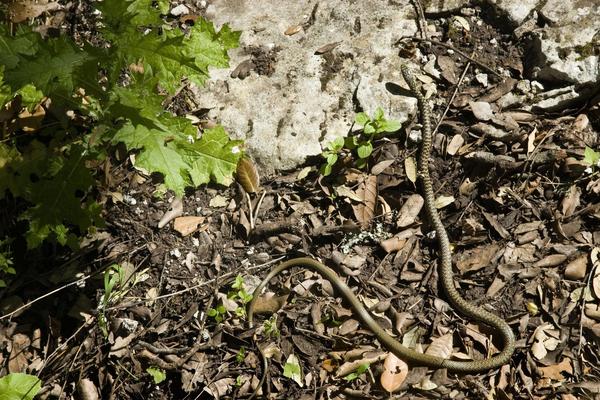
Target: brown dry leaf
(18,360)
(410,166)
(555,371)
(187,225)
(31,122)
(441,346)
(455,144)
(221,387)
(367,191)
(370,357)
(550,261)
(345,191)
(394,373)
(269,303)
(247,175)
(87,390)
(409,211)
(381,166)
(327,48)
(121,346)
(443,201)
(577,268)
(22,10)
(476,258)
(448,69)
(491,219)
(292,30)
(571,201)
(545,338)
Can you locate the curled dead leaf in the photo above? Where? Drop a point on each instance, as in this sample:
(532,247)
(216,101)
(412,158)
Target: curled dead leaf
(367,191)
(269,303)
(247,175)
(394,373)
(187,225)
(410,167)
(441,346)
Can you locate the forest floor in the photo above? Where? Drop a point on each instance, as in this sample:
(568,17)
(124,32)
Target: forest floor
(521,207)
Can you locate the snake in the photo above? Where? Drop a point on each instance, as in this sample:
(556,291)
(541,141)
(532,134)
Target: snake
(467,309)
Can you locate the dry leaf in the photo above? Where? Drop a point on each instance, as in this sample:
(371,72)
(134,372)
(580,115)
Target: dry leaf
(345,191)
(455,144)
(571,201)
(555,371)
(443,201)
(482,110)
(269,303)
(577,268)
(367,191)
(292,30)
(187,225)
(476,258)
(550,261)
(20,11)
(174,211)
(381,166)
(369,357)
(441,346)
(121,346)
(218,201)
(247,175)
(31,122)
(327,48)
(410,166)
(409,211)
(18,360)
(394,373)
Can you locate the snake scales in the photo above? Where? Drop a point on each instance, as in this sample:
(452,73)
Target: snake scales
(467,309)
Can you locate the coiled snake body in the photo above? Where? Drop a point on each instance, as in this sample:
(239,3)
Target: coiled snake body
(445,272)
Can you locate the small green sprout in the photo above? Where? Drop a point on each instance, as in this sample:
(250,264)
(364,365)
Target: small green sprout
(373,128)
(217,313)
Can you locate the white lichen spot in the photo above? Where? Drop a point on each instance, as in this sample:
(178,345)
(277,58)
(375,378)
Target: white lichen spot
(235,150)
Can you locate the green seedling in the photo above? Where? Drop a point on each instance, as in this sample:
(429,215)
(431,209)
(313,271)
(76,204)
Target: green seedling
(241,355)
(592,158)
(270,326)
(114,277)
(217,313)
(362,144)
(19,386)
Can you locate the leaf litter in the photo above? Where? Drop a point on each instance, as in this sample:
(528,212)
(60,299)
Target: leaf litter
(521,213)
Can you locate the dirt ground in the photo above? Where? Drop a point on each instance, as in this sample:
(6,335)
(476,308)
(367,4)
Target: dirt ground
(521,211)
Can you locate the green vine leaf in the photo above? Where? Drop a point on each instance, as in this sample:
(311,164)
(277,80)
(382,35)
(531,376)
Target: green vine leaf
(213,157)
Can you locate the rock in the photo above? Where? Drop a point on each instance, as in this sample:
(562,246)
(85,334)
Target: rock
(180,10)
(515,11)
(566,47)
(307,100)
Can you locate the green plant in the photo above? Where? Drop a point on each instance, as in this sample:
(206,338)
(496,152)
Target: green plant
(218,313)
(270,326)
(158,374)
(114,277)
(239,293)
(362,144)
(241,355)
(592,158)
(5,260)
(65,105)
(18,386)
(362,368)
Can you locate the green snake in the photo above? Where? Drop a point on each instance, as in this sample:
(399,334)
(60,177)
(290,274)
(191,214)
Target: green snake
(467,309)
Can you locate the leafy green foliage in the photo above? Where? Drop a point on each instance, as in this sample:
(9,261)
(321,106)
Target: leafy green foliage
(361,144)
(591,157)
(118,91)
(5,260)
(219,313)
(18,386)
(157,374)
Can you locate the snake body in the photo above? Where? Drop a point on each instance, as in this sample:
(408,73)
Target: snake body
(467,309)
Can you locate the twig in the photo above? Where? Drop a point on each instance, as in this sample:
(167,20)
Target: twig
(459,52)
(460,81)
(29,304)
(421,20)
(208,282)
